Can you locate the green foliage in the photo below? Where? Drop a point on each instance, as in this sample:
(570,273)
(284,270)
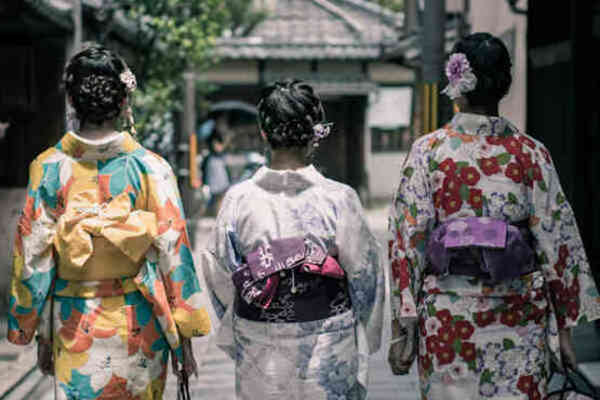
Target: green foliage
(183,33)
(394,5)
(183,36)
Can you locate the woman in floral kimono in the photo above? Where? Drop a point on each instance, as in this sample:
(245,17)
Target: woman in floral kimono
(294,270)
(103,270)
(489,269)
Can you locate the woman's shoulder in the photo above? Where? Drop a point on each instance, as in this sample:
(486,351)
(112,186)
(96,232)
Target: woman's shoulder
(430,141)
(156,163)
(51,155)
(533,145)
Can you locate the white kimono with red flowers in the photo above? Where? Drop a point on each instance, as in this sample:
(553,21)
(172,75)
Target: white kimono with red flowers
(479,340)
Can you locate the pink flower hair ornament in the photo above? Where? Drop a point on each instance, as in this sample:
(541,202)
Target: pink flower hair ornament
(460,76)
(321,131)
(128,79)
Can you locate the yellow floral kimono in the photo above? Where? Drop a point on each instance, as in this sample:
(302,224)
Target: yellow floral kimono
(103,268)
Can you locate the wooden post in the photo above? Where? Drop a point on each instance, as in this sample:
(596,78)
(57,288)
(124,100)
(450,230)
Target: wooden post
(433,54)
(426,113)
(188,129)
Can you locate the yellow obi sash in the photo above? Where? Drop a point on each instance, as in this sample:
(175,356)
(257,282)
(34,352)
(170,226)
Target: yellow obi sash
(94,289)
(97,242)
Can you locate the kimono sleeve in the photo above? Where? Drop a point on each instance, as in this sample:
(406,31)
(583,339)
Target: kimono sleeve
(360,256)
(559,248)
(34,266)
(412,216)
(175,259)
(220,259)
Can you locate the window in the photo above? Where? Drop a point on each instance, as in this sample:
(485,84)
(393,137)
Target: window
(389,118)
(390,139)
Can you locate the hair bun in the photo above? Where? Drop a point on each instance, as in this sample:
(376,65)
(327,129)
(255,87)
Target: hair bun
(288,111)
(92,80)
(491,64)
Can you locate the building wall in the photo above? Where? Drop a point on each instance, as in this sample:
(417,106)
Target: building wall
(497,18)
(383,169)
(239,80)
(384,174)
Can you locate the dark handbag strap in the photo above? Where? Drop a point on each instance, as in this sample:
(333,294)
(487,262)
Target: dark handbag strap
(576,382)
(183,386)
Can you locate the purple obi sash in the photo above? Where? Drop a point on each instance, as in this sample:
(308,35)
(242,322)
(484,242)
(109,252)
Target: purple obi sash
(489,248)
(258,279)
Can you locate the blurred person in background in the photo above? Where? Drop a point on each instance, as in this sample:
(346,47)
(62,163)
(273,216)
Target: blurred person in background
(215,172)
(294,271)
(103,274)
(490,274)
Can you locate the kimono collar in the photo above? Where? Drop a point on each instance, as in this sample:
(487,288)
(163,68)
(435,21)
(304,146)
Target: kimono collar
(290,181)
(86,149)
(477,124)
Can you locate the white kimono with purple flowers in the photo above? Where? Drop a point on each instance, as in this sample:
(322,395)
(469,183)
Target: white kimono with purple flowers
(323,359)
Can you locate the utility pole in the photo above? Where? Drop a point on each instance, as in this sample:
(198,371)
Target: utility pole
(187,142)
(433,55)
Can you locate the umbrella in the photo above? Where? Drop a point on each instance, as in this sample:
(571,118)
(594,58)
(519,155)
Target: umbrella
(234,106)
(238,113)
(206,129)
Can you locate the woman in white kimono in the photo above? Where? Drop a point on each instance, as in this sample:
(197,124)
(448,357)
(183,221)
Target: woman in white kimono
(489,269)
(294,270)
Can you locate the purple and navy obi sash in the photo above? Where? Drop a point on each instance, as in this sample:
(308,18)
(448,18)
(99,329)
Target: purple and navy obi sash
(487,248)
(296,271)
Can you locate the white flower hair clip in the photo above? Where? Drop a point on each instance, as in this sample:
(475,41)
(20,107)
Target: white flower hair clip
(321,131)
(460,76)
(128,78)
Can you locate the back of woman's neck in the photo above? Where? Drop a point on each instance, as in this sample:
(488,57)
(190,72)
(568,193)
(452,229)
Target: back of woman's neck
(98,132)
(287,159)
(490,111)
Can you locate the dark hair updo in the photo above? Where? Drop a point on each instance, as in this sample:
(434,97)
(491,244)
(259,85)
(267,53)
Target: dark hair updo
(287,113)
(92,82)
(491,64)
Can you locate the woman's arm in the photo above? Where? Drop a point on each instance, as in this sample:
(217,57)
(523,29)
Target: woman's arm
(412,216)
(175,263)
(360,257)
(34,267)
(560,252)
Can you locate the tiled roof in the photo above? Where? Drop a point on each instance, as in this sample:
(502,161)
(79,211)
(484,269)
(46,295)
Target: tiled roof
(317,29)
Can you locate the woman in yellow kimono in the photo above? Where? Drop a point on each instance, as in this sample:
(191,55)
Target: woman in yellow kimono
(103,269)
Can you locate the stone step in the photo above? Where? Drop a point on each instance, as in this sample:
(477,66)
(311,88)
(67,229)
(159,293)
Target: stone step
(17,364)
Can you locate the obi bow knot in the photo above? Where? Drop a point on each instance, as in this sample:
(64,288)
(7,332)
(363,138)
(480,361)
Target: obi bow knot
(132,232)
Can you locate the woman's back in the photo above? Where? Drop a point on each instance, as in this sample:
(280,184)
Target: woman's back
(481,166)
(294,270)
(279,204)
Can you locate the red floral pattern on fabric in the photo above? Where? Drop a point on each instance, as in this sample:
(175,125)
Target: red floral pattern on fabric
(514,172)
(489,165)
(470,175)
(456,174)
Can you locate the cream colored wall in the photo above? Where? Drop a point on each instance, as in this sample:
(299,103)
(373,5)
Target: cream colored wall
(495,17)
(384,174)
(383,169)
(232,72)
(387,73)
